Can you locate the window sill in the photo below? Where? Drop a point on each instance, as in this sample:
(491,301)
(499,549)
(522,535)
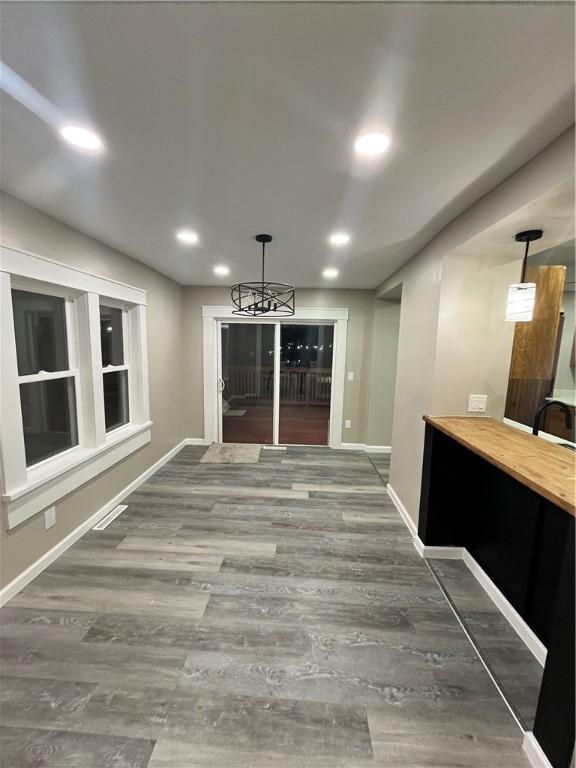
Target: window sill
(63,474)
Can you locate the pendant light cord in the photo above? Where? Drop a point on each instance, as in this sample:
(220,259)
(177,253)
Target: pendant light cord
(524,262)
(263,250)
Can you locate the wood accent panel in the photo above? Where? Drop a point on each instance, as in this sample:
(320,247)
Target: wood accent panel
(534,346)
(555,424)
(524,397)
(547,469)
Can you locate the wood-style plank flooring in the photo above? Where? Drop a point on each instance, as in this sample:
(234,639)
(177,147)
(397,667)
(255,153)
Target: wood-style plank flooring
(242,616)
(518,673)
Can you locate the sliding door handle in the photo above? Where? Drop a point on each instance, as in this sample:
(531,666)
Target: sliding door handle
(221,385)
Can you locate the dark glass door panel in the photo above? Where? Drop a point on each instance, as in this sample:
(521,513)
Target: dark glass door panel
(305,383)
(248,380)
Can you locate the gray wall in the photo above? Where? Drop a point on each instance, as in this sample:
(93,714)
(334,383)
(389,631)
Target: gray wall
(381,353)
(27,229)
(419,389)
(420,280)
(474,341)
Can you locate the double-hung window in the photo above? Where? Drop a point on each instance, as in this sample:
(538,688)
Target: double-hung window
(74,379)
(47,375)
(113,327)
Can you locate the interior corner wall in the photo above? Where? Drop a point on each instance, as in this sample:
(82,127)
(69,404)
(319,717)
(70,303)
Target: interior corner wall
(381,354)
(416,393)
(413,392)
(357,393)
(28,229)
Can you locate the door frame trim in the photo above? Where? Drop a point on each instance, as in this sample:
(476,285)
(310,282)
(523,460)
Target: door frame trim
(211,318)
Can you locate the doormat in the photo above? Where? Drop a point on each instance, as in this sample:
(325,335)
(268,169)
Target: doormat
(231,453)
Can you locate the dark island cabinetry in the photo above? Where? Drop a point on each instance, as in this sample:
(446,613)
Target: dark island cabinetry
(508,498)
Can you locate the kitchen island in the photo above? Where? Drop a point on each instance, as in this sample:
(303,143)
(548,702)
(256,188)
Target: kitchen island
(508,498)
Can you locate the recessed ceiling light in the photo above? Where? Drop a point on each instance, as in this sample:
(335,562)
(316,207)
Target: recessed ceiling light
(221,270)
(187,236)
(330,273)
(339,239)
(82,138)
(372,144)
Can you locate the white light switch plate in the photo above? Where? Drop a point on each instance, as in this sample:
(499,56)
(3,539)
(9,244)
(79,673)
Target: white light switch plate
(348,424)
(477,403)
(350,375)
(49,517)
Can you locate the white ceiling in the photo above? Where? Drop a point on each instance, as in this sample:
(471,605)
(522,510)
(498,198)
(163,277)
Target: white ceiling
(234,119)
(552,212)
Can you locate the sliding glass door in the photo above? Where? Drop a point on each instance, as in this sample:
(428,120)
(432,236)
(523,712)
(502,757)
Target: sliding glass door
(305,383)
(275,382)
(247,382)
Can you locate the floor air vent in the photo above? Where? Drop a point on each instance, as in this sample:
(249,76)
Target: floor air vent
(107,519)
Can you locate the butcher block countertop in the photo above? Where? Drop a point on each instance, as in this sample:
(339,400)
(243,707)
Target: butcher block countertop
(547,469)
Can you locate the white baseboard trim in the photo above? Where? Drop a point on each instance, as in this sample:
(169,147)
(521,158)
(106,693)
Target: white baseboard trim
(418,545)
(447,553)
(534,751)
(338,446)
(411,525)
(528,637)
(363,447)
(476,648)
(537,648)
(17,584)
(443,553)
(194,441)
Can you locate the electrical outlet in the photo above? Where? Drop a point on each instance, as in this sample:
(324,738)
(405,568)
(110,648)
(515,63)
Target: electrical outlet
(49,517)
(477,403)
(350,375)
(348,424)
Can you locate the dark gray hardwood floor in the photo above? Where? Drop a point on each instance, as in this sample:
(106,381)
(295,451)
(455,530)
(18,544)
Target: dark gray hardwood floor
(242,616)
(504,653)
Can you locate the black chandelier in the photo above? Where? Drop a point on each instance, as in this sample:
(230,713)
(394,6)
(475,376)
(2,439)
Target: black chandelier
(259,298)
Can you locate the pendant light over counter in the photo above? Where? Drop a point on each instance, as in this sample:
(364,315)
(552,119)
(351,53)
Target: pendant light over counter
(522,295)
(255,299)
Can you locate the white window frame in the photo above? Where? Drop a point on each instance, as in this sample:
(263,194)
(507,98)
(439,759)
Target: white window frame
(26,491)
